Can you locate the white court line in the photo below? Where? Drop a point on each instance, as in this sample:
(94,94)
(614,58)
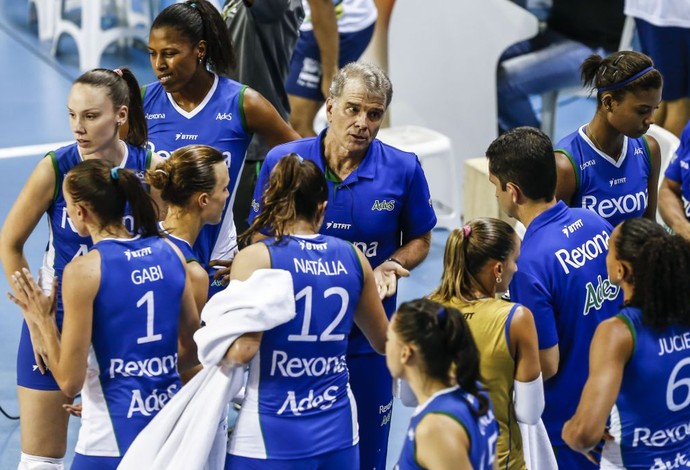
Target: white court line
(30,150)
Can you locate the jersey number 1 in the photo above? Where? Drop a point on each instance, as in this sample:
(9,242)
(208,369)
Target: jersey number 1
(150,337)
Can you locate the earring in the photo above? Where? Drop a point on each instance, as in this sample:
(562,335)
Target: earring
(200,59)
(499,280)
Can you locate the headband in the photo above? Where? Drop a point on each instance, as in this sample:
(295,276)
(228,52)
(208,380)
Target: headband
(621,84)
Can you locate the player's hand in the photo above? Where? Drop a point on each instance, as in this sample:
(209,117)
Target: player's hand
(222,273)
(386,276)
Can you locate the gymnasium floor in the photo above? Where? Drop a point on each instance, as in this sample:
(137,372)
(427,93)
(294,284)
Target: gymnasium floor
(35,87)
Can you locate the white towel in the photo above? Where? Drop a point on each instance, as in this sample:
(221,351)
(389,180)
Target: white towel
(536,446)
(185,434)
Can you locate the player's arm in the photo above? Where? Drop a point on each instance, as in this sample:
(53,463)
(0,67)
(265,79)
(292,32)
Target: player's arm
(611,348)
(325,26)
(33,201)
(248,260)
(566,182)
(528,386)
(653,181)
(671,207)
(263,119)
(370,316)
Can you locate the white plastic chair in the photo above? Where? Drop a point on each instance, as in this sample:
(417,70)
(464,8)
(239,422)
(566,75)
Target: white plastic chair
(436,155)
(91,39)
(668,144)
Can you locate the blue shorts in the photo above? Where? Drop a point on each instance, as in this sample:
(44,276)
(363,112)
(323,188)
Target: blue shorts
(346,459)
(372,386)
(28,374)
(305,74)
(669,48)
(91,462)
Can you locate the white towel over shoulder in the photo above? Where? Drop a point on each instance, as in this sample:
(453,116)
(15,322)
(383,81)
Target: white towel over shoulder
(184,435)
(537,447)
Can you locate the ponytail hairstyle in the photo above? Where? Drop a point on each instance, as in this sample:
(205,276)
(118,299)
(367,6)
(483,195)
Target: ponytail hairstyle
(198,20)
(445,344)
(188,171)
(468,250)
(122,88)
(295,189)
(619,73)
(107,190)
(662,276)
(632,235)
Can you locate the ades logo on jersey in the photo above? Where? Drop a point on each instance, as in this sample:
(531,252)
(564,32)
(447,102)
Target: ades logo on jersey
(224,117)
(383,205)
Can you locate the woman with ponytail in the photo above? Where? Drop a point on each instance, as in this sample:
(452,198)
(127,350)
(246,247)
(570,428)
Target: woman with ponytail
(299,411)
(127,329)
(431,347)
(609,165)
(638,372)
(102,104)
(479,262)
(193,183)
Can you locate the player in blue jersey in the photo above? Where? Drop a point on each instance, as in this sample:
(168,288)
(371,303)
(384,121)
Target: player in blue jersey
(128,305)
(101,104)
(561,274)
(378,199)
(193,103)
(638,373)
(299,411)
(609,165)
(674,192)
(193,183)
(431,347)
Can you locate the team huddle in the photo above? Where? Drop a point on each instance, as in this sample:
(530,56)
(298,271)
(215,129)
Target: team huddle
(563,348)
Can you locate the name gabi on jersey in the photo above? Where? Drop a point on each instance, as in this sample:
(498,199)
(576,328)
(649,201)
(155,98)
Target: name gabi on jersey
(322,401)
(318,267)
(150,274)
(138,253)
(588,251)
(148,367)
(305,245)
(383,205)
(568,229)
(152,403)
(596,296)
(288,366)
(626,204)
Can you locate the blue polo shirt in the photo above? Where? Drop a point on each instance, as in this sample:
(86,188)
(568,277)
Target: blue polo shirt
(679,169)
(383,201)
(562,279)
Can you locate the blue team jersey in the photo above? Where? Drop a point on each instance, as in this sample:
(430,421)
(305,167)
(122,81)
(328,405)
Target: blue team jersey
(385,198)
(679,169)
(562,279)
(218,121)
(649,422)
(482,431)
(616,190)
(298,401)
(64,243)
(132,365)
(188,252)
